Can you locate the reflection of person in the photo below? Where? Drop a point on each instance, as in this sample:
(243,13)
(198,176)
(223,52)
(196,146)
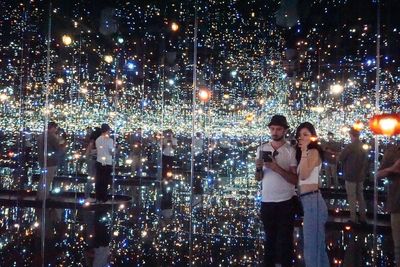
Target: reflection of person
(390,168)
(135,143)
(198,168)
(331,151)
(309,156)
(101,240)
(54,149)
(355,160)
(353,256)
(63,163)
(169,145)
(168,152)
(278,178)
(152,149)
(224,145)
(105,149)
(26,157)
(91,158)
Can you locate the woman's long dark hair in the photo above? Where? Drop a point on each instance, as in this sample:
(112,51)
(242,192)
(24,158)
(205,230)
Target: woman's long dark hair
(312,145)
(94,135)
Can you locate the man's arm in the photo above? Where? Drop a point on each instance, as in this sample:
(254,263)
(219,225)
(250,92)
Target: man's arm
(259,170)
(290,176)
(386,163)
(393,169)
(111,146)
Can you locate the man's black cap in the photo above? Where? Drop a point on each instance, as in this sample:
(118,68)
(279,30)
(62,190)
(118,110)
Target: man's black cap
(279,120)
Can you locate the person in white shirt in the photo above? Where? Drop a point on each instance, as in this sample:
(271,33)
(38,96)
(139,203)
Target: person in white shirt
(105,150)
(276,169)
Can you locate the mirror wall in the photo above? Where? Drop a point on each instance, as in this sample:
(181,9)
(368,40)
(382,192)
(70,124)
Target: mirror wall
(129,130)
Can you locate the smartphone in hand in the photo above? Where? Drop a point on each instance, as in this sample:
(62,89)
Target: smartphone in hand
(266,156)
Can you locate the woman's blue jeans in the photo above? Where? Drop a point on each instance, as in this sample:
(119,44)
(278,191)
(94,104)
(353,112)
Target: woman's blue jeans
(315,217)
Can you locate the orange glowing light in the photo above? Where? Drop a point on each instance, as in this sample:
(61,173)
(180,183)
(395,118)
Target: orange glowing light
(66,39)
(174,26)
(385,124)
(204,94)
(358,125)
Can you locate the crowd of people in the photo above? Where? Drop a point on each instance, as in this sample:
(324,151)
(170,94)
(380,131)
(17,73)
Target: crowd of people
(289,174)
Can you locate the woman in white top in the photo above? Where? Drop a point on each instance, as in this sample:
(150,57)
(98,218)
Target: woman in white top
(309,156)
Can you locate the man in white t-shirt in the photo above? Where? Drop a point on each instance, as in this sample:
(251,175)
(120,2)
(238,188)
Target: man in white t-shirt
(276,169)
(105,150)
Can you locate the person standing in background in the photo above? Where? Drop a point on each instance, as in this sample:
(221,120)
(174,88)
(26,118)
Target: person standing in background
(105,149)
(135,144)
(91,159)
(54,149)
(331,150)
(355,160)
(390,169)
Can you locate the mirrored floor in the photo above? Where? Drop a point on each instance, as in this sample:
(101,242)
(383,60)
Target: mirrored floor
(135,229)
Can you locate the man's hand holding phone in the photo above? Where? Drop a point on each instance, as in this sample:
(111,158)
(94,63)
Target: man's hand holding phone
(269,161)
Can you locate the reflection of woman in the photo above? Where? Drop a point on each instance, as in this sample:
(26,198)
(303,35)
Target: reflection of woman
(91,156)
(63,164)
(309,156)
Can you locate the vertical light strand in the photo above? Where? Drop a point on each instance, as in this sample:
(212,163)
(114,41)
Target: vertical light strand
(193,128)
(160,163)
(21,119)
(377,109)
(78,102)
(115,100)
(45,136)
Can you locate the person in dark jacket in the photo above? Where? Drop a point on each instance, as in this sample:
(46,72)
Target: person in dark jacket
(390,169)
(54,149)
(355,160)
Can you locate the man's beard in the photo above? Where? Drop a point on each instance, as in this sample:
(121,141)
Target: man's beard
(278,138)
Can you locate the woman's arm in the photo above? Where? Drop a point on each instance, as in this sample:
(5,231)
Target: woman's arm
(309,160)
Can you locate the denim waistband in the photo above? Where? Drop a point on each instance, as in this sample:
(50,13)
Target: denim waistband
(309,193)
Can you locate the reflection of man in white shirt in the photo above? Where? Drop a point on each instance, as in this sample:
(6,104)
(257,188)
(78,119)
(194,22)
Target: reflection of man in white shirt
(169,144)
(105,150)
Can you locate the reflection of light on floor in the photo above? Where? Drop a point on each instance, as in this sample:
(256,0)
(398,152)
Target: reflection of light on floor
(226,226)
